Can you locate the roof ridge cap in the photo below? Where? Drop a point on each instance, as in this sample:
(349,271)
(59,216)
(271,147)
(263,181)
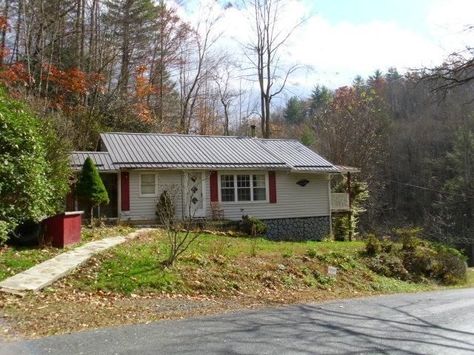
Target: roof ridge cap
(173,135)
(197,136)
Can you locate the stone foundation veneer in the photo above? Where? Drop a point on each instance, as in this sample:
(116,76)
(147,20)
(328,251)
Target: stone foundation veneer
(297,229)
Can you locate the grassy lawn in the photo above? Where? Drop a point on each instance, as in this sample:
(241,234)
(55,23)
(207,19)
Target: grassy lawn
(15,259)
(129,284)
(220,265)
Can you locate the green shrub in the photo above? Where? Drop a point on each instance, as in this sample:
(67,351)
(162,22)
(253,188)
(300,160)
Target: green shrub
(91,187)
(4,229)
(322,279)
(449,266)
(33,170)
(341,228)
(409,237)
(386,245)
(373,246)
(252,226)
(419,261)
(389,265)
(416,259)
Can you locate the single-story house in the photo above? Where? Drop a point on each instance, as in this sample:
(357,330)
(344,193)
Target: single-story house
(279,181)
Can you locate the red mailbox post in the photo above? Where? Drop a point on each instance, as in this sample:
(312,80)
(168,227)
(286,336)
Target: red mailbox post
(63,229)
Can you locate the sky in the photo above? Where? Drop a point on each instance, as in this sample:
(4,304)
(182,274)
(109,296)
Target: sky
(341,39)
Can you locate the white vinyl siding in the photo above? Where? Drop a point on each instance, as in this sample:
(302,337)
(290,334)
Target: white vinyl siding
(142,208)
(293,200)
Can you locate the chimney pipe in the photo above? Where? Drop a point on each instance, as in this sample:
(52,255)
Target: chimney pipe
(252,130)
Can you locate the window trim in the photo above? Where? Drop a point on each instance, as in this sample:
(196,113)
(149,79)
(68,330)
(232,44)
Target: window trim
(234,174)
(155,194)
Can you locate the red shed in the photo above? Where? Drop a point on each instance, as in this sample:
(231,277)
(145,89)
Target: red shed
(63,229)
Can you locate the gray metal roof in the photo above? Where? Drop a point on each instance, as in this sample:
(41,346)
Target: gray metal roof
(296,155)
(176,151)
(163,150)
(101,159)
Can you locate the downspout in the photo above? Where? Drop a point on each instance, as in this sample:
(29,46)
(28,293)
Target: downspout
(351,232)
(119,196)
(182,194)
(330,205)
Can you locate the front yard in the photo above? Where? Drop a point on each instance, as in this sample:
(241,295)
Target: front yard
(128,284)
(15,259)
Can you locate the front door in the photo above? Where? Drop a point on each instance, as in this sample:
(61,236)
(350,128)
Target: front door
(194,196)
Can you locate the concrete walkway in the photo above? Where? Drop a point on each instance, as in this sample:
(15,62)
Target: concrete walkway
(44,274)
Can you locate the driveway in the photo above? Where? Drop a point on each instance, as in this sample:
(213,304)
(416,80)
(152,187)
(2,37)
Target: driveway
(425,323)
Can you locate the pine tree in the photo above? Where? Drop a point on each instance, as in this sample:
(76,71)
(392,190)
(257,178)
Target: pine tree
(294,111)
(91,187)
(320,98)
(130,24)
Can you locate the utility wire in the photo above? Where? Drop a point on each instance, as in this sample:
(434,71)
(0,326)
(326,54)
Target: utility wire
(428,189)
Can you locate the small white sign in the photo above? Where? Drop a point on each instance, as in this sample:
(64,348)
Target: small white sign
(332,271)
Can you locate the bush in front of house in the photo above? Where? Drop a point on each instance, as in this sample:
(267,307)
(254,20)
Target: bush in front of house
(4,229)
(414,259)
(91,187)
(165,209)
(252,226)
(31,168)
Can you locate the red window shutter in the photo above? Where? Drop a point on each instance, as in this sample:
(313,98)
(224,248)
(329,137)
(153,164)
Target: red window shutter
(272,186)
(214,187)
(125,190)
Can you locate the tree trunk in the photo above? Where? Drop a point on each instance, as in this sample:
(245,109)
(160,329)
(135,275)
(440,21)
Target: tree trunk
(4,32)
(92,216)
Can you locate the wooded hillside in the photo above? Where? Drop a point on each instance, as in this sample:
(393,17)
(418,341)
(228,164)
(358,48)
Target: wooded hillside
(135,65)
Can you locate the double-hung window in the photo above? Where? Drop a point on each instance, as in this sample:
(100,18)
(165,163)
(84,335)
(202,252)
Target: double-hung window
(259,188)
(243,187)
(244,190)
(227,188)
(148,185)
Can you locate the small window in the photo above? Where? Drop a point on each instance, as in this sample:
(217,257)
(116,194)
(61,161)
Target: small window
(148,185)
(227,188)
(259,188)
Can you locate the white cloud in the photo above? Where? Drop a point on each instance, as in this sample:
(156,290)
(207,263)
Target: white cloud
(344,50)
(447,21)
(338,51)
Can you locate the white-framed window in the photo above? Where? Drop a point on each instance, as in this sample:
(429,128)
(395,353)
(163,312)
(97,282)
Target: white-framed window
(148,185)
(227,188)
(243,187)
(259,187)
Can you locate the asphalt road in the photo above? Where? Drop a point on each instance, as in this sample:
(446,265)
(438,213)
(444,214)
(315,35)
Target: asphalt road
(425,323)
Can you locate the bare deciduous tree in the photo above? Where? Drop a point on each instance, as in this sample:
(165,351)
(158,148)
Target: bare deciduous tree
(223,80)
(264,54)
(181,231)
(194,69)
